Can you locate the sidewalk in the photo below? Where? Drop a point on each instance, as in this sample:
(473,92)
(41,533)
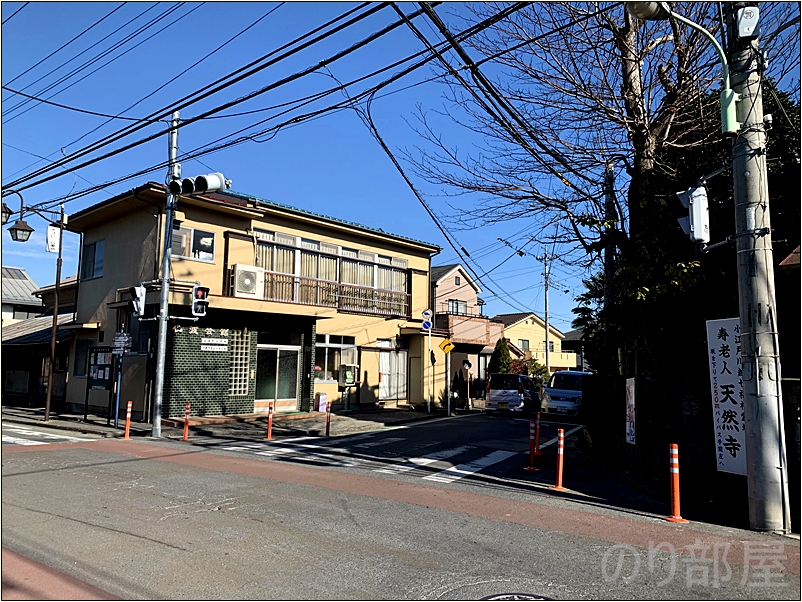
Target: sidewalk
(245,426)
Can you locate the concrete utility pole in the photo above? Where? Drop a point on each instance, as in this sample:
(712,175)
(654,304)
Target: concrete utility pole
(173,173)
(766,467)
(54,327)
(546,309)
(609,216)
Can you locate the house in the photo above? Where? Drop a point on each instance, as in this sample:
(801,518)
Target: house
(26,350)
(293,296)
(458,315)
(527,331)
(573,341)
(19,302)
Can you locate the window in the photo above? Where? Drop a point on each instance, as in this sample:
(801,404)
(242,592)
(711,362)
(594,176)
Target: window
(239,344)
(523,344)
(81,356)
(455,306)
(92,263)
(551,346)
(332,351)
(193,244)
(457,280)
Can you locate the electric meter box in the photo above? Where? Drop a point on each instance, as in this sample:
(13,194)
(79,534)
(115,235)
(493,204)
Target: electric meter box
(348,374)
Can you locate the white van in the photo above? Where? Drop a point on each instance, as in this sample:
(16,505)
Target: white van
(511,392)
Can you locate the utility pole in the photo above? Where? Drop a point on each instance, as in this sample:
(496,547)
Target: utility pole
(766,467)
(55,317)
(546,309)
(609,217)
(173,173)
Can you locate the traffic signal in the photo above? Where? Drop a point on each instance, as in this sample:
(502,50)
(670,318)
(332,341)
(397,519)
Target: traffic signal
(697,224)
(138,299)
(200,300)
(213,182)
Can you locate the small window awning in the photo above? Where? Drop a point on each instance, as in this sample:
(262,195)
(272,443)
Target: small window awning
(82,326)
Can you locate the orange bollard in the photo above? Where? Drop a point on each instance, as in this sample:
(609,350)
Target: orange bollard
(186,422)
(537,436)
(328,417)
(531,467)
(269,422)
(128,420)
(560,447)
(674,468)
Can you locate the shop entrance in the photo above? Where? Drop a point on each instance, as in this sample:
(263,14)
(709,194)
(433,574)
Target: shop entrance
(277,378)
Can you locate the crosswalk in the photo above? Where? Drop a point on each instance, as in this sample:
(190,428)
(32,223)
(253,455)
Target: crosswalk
(440,466)
(16,434)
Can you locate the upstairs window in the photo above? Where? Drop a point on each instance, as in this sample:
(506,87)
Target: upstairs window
(551,346)
(92,262)
(192,243)
(457,280)
(523,344)
(455,306)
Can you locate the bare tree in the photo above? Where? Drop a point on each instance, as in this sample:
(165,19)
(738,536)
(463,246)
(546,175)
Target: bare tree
(586,84)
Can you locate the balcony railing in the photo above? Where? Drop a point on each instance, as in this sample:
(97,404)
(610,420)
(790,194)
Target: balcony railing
(288,288)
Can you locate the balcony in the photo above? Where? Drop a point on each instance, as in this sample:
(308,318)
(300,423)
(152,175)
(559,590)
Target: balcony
(558,360)
(473,329)
(288,288)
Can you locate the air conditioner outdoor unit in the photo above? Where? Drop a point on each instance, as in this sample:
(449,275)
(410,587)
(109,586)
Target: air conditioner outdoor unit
(249,281)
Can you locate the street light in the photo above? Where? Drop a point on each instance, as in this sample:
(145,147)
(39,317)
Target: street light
(21,232)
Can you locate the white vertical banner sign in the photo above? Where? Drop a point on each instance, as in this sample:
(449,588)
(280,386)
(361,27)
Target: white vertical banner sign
(630,411)
(52,239)
(727,392)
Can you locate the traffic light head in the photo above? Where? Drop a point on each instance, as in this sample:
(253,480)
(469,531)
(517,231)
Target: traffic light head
(695,199)
(213,182)
(200,300)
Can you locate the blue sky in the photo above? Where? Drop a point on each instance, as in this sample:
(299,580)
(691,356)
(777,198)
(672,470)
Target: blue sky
(330,165)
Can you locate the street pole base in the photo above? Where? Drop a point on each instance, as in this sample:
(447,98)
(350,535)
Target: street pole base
(537,453)
(675,519)
(531,469)
(555,488)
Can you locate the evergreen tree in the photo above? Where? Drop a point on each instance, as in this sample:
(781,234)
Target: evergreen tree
(500,361)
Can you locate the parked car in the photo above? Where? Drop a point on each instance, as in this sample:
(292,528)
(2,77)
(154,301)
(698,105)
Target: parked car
(562,395)
(511,392)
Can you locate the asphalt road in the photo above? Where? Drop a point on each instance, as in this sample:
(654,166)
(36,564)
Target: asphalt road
(434,510)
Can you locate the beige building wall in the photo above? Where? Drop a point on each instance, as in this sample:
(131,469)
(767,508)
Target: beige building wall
(447,288)
(534,331)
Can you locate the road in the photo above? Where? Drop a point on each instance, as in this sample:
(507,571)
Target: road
(435,510)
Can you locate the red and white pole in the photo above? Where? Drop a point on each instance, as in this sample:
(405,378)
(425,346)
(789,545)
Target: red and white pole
(186,422)
(128,420)
(674,469)
(537,437)
(328,417)
(269,422)
(531,467)
(560,448)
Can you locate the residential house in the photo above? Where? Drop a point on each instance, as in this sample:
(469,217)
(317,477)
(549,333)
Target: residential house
(293,296)
(458,315)
(19,302)
(574,341)
(527,331)
(26,350)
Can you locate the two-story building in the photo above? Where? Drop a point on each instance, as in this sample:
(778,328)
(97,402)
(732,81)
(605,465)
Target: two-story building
(293,296)
(527,331)
(458,315)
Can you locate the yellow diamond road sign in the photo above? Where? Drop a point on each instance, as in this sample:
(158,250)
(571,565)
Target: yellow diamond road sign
(446,346)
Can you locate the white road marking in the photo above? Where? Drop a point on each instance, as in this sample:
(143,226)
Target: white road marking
(385,441)
(551,441)
(408,464)
(18,441)
(457,472)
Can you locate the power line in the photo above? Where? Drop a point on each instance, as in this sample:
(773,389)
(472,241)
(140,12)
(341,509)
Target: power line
(208,90)
(61,106)
(63,46)
(7,19)
(169,81)
(122,54)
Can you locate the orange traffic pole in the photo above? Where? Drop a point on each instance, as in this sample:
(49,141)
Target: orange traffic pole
(537,437)
(328,417)
(560,447)
(674,469)
(128,420)
(186,422)
(269,422)
(531,467)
